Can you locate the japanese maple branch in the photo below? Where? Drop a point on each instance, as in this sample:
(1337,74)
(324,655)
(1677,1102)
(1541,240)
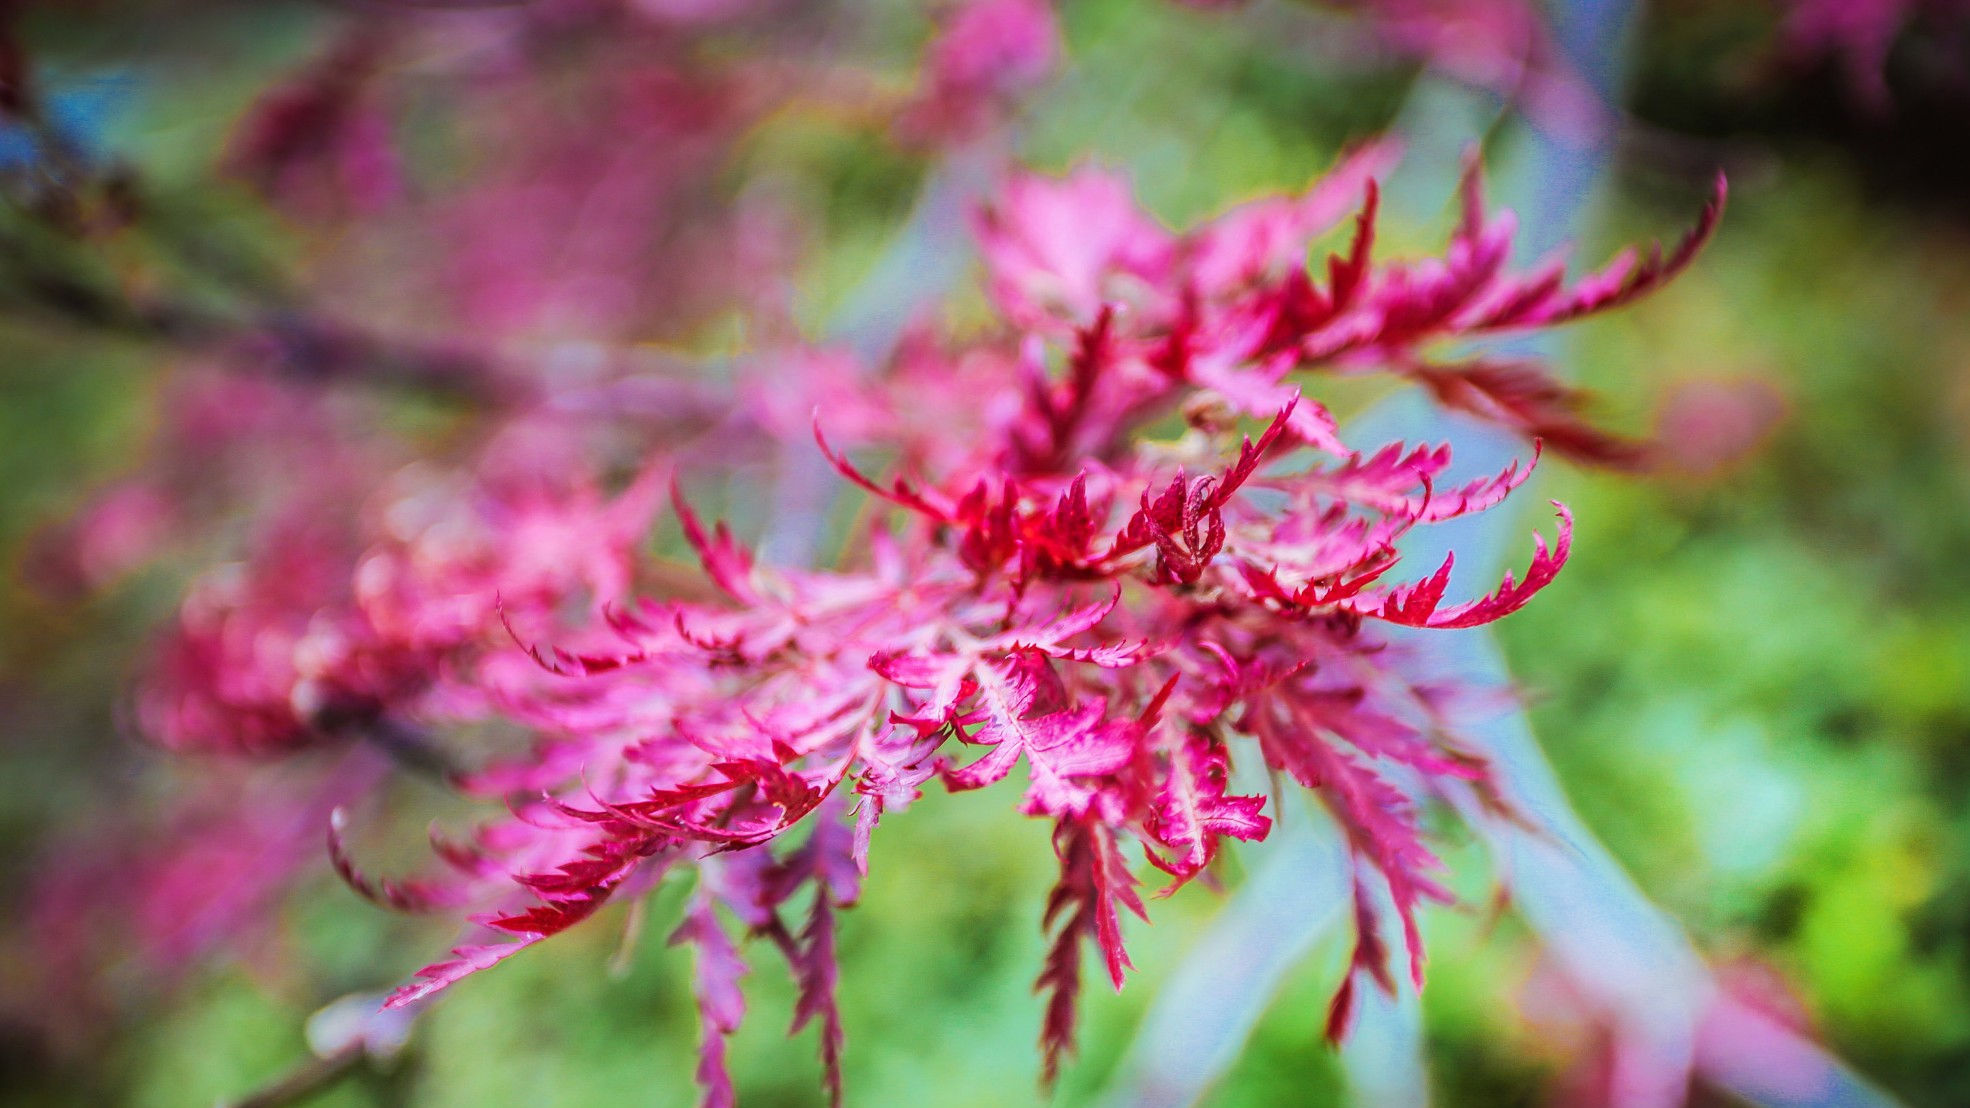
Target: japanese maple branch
(297,345)
(53,192)
(303,1081)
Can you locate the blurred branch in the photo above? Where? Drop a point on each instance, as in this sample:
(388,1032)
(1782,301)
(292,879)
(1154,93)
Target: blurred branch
(341,1034)
(62,196)
(409,747)
(297,345)
(303,1081)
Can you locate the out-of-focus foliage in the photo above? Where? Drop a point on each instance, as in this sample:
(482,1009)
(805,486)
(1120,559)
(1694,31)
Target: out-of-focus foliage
(1754,677)
(1766,716)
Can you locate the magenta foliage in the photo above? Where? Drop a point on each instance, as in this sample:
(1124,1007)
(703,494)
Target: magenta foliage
(1859,34)
(327,631)
(321,138)
(1131,617)
(1750,1035)
(1502,46)
(987,55)
(222,443)
(1124,560)
(1226,308)
(143,895)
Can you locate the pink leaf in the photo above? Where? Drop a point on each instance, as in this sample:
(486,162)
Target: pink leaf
(721,1006)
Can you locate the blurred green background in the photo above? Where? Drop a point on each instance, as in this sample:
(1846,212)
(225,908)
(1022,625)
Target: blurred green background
(1754,678)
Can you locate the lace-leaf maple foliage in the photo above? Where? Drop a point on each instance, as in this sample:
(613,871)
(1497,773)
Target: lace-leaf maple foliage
(1067,579)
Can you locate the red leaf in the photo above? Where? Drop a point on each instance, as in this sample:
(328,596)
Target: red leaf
(727,563)
(721,1006)
(464,962)
(1417,605)
(1084,906)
